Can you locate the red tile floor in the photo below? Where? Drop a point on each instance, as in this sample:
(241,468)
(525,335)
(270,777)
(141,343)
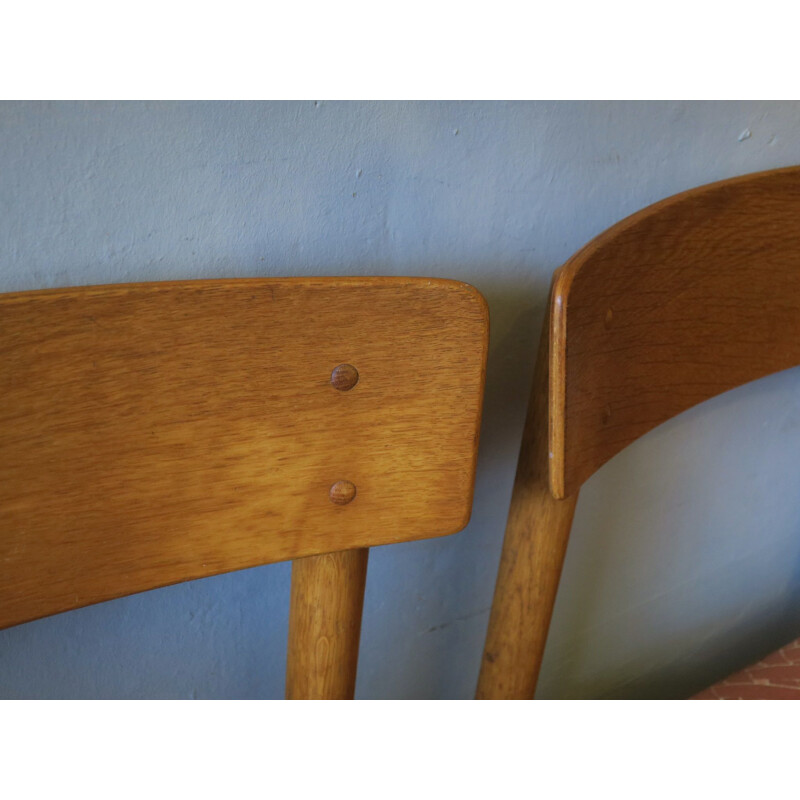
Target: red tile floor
(777,677)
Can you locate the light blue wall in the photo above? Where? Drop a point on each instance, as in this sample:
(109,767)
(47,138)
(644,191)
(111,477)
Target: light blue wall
(685,556)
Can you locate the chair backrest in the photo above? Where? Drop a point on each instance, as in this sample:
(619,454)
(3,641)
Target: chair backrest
(686,299)
(157,433)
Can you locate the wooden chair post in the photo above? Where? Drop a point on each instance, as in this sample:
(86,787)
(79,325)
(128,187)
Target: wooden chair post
(533,553)
(325,624)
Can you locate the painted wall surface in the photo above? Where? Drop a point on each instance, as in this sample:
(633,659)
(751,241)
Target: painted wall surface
(685,558)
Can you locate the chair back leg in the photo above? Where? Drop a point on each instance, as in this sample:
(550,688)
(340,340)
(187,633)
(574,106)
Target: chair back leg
(530,566)
(325,624)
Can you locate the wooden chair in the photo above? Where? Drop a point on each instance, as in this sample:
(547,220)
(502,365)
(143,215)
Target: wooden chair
(157,433)
(682,301)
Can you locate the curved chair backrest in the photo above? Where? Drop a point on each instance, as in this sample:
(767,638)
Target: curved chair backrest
(157,433)
(686,299)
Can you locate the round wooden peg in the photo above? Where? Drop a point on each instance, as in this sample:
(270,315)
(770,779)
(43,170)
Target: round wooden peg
(342,493)
(344,377)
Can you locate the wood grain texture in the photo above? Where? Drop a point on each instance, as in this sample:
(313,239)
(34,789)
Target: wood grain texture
(324,625)
(156,433)
(530,565)
(684,300)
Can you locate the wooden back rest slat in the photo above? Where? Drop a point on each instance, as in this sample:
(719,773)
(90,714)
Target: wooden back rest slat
(156,433)
(682,301)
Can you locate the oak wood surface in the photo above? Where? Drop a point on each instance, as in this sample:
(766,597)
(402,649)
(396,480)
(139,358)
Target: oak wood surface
(324,625)
(530,565)
(686,299)
(155,433)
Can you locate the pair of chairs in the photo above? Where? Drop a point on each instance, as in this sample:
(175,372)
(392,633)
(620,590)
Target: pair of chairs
(157,433)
